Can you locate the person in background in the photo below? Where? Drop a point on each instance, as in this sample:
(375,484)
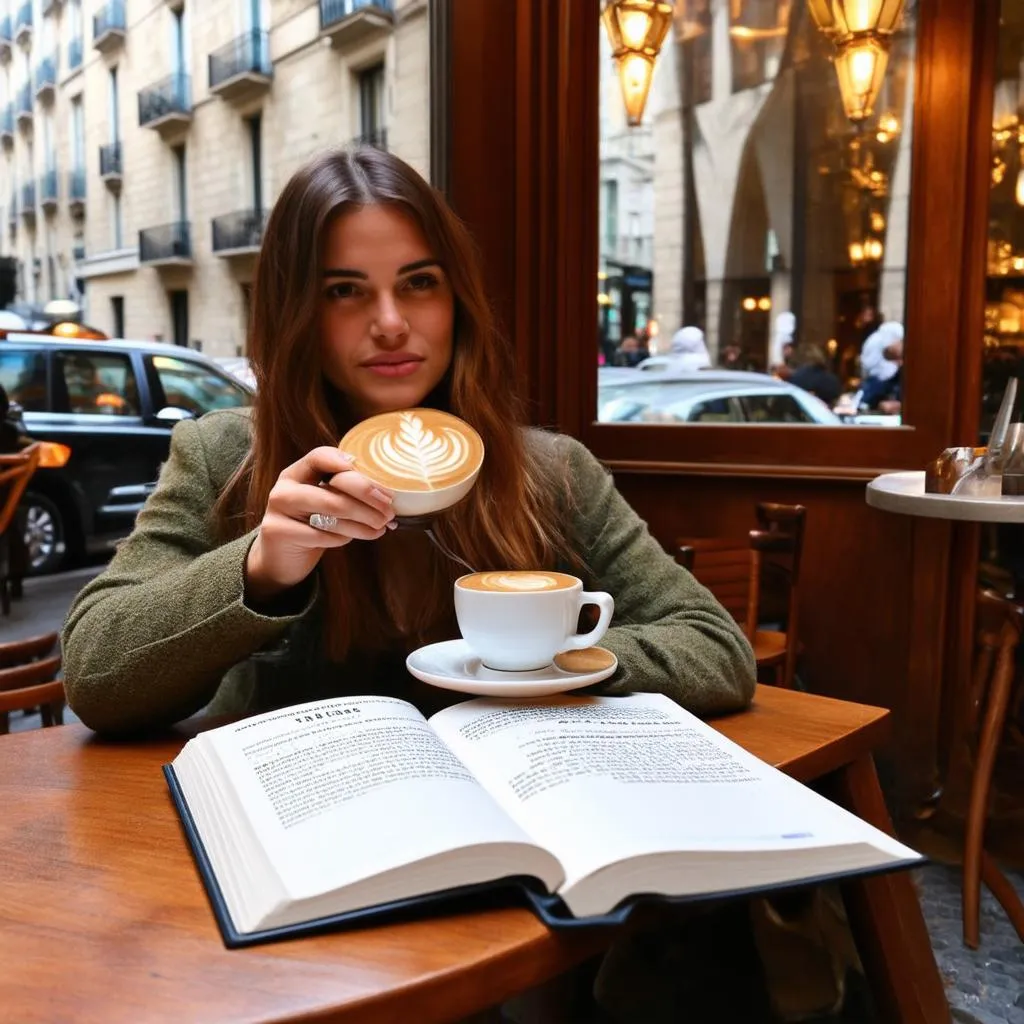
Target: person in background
(13,440)
(630,352)
(813,375)
(688,351)
(781,362)
(881,362)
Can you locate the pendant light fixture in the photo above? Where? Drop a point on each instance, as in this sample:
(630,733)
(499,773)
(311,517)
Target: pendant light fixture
(636,29)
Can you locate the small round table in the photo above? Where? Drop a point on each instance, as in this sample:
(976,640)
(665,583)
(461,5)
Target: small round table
(905,493)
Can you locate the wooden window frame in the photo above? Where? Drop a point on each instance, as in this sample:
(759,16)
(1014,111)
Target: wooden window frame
(516,141)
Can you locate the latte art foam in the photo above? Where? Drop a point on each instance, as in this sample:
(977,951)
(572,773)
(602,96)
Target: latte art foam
(415,450)
(518,581)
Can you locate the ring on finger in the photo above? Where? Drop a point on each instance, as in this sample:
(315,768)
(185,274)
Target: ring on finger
(322,521)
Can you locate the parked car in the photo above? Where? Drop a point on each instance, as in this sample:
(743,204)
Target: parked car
(105,410)
(704,396)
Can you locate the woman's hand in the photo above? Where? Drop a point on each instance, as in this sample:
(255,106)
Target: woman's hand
(287,548)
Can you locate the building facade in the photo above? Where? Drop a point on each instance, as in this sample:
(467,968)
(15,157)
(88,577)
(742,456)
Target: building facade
(144,141)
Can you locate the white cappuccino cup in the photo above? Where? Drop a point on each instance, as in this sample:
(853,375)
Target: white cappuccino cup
(517,621)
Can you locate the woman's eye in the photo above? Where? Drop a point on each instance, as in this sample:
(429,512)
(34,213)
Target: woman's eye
(344,290)
(421,282)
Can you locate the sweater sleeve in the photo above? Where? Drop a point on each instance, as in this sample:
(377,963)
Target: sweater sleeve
(147,642)
(669,633)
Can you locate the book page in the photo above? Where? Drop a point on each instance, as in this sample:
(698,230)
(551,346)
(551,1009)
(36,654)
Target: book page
(598,780)
(340,790)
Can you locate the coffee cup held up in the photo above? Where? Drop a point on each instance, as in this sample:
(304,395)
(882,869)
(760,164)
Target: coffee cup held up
(426,458)
(517,621)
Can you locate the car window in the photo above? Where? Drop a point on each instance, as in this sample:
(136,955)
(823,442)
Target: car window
(196,387)
(23,377)
(714,410)
(98,383)
(774,409)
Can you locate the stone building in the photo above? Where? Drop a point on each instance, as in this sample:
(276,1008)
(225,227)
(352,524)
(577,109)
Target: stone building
(143,142)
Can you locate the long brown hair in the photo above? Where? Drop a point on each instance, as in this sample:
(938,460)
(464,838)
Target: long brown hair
(511,519)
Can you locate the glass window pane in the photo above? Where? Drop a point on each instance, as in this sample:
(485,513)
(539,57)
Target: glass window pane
(100,384)
(195,387)
(755,219)
(23,377)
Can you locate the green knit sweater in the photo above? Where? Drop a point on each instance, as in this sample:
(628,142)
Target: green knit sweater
(165,630)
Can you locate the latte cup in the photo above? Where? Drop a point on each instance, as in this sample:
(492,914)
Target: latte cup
(517,621)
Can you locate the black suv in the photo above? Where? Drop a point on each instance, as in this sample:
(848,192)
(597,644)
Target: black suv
(107,409)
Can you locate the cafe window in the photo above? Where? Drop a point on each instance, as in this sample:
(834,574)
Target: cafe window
(761,212)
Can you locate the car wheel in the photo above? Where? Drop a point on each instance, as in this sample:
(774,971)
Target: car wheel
(45,534)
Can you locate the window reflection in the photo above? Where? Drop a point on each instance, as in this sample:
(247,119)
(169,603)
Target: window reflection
(747,226)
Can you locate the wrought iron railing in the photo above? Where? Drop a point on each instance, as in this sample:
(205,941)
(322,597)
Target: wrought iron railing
(333,11)
(7,120)
(248,52)
(76,184)
(240,230)
(171,95)
(48,186)
(46,74)
(75,49)
(109,18)
(377,137)
(78,252)
(167,241)
(110,160)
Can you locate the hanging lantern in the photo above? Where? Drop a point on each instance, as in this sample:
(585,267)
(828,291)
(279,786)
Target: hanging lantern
(636,29)
(855,17)
(860,67)
(861,30)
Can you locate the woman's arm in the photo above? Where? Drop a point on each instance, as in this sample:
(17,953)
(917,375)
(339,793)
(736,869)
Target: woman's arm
(669,633)
(147,642)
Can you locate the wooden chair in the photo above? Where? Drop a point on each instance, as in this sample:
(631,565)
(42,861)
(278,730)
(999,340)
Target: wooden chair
(735,571)
(15,472)
(28,680)
(999,624)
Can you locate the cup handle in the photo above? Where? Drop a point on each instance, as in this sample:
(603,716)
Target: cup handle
(606,603)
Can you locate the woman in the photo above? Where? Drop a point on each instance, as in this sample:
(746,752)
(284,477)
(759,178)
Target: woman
(367,298)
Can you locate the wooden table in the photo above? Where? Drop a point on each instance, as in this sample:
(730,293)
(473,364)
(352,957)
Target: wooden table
(103,917)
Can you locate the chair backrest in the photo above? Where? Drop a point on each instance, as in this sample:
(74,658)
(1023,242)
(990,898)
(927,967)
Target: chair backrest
(27,686)
(998,627)
(15,472)
(726,567)
(20,652)
(778,544)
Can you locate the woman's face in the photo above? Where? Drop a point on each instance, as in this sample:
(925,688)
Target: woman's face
(387,313)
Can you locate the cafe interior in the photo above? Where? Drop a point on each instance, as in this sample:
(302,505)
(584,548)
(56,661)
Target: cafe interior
(714,164)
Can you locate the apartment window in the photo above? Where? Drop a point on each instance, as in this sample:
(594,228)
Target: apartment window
(180,197)
(371,106)
(117,314)
(256,159)
(178,49)
(179,317)
(77,134)
(611,212)
(115,107)
(116,222)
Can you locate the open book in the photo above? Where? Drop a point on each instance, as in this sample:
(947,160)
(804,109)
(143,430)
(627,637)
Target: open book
(304,816)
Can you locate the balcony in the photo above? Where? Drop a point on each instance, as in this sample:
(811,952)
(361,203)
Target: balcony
(76,192)
(109,26)
(242,69)
(27,206)
(48,190)
(46,80)
(377,137)
(169,245)
(75,48)
(111,167)
(238,234)
(166,105)
(6,38)
(23,24)
(7,125)
(350,22)
(23,106)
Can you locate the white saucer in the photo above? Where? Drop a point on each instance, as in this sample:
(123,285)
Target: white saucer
(451,666)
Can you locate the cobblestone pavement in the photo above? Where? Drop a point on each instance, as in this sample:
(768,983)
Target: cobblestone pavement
(985,986)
